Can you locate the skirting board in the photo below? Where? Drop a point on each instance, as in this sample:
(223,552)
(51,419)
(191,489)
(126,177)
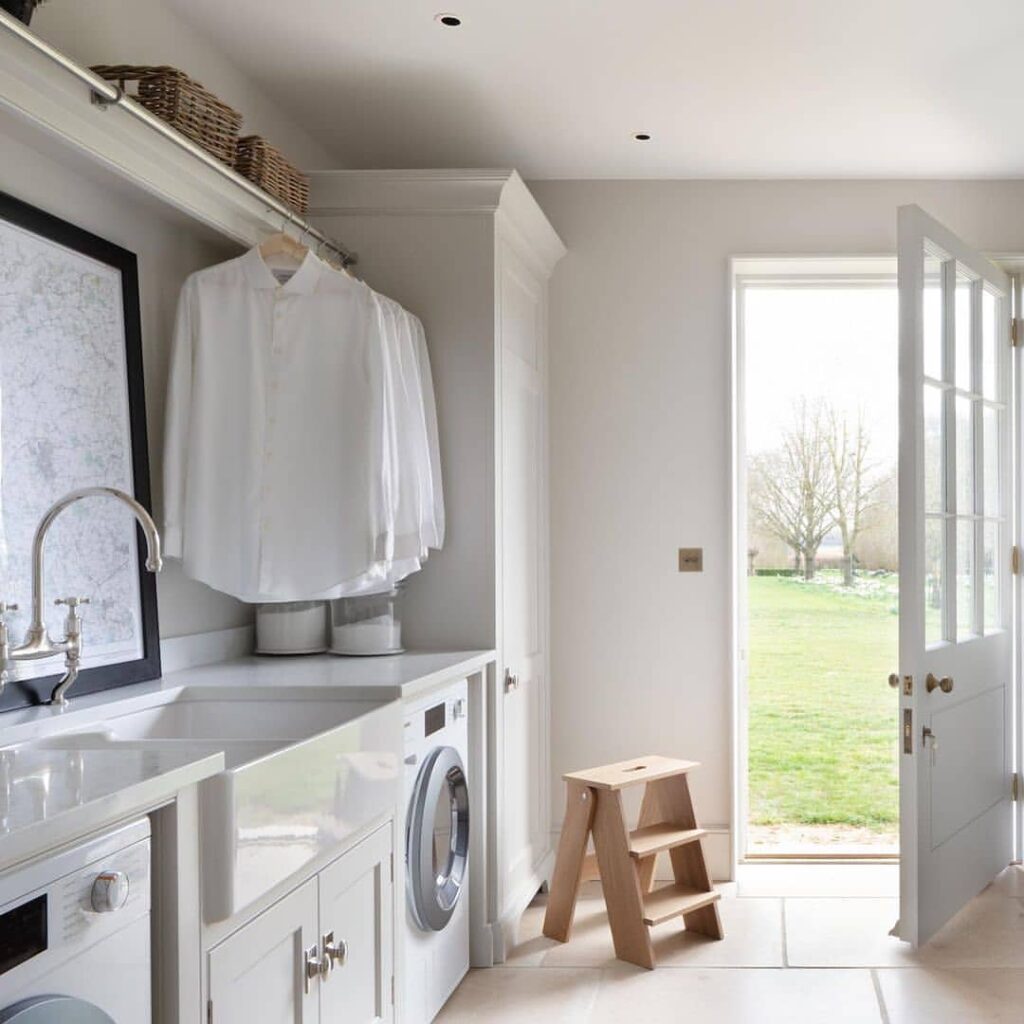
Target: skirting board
(717,850)
(181,652)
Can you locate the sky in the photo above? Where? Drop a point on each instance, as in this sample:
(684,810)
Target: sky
(837,343)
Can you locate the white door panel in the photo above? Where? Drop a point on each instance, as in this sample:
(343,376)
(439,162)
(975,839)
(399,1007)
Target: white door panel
(356,913)
(968,776)
(256,974)
(955,539)
(524,757)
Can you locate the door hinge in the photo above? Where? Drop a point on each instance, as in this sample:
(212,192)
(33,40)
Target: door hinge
(392,867)
(1015,786)
(392,990)
(1015,560)
(209,1011)
(1016,334)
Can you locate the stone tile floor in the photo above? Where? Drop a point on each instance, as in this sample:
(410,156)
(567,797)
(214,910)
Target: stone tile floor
(805,944)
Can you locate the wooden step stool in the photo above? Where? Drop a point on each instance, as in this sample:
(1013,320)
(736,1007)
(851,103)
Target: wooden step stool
(625,860)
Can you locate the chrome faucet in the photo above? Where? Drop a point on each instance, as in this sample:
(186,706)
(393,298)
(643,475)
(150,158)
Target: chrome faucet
(38,643)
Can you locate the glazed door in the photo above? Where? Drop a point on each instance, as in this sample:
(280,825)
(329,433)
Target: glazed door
(955,541)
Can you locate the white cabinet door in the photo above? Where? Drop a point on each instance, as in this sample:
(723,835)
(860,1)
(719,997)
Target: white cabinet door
(258,973)
(955,536)
(524,759)
(356,923)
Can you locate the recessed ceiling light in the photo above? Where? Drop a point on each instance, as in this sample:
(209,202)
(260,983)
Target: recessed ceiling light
(448,20)
(642,136)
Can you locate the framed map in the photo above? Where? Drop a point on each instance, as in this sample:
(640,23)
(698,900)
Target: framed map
(72,414)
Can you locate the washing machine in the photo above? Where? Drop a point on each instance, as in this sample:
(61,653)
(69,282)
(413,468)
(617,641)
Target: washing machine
(436,953)
(75,934)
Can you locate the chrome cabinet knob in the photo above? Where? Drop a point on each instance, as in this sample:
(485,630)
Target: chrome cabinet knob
(335,952)
(109,892)
(511,681)
(314,966)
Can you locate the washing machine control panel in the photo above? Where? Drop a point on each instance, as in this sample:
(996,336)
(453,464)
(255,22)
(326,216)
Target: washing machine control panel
(434,718)
(67,903)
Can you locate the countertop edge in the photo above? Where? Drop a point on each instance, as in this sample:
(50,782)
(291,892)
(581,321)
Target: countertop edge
(71,826)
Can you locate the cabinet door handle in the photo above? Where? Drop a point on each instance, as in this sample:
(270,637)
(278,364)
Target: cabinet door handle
(313,967)
(335,952)
(511,681)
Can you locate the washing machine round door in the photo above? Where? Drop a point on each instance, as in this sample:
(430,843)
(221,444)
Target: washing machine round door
(54,1010)
(437,839)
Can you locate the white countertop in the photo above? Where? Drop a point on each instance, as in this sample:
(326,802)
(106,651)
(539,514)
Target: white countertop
(49,796)
(393,676)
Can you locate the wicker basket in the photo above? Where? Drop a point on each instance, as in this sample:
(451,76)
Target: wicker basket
(264,165)
(183,103)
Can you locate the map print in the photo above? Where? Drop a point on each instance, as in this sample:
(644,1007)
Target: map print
(64,424)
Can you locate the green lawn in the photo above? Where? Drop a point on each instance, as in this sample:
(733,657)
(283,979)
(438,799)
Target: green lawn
(822,718)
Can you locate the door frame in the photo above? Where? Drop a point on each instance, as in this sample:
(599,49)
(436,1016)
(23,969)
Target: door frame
(801,270)
(1013,265)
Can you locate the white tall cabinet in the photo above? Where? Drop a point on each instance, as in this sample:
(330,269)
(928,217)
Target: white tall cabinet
(470,252)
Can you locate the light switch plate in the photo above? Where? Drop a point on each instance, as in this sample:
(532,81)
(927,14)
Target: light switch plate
(691,559)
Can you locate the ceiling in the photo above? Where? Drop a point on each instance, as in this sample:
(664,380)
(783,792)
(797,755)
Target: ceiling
(727,88)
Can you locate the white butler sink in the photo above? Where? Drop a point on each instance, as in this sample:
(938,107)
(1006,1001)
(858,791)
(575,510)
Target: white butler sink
(303,772)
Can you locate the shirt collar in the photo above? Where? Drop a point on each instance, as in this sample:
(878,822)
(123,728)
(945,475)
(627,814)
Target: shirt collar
(261,277)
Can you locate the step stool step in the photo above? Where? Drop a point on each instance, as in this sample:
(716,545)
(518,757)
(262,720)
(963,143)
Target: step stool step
(632,773)
(672,900)
(643,842)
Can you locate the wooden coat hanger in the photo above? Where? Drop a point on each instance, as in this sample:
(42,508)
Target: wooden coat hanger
(282,244)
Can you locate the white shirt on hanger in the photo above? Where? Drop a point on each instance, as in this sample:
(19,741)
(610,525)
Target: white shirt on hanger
(279,468)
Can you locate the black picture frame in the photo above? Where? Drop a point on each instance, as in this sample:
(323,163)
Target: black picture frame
(27,692)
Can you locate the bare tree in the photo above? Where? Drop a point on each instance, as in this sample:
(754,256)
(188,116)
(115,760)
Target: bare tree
(853,485)
(792,489)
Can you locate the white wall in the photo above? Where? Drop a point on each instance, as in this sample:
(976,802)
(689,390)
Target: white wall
(640,406)
(147,32)
(422,262)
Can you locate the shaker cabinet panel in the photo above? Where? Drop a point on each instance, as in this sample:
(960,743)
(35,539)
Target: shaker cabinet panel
(357,934)
(257,974)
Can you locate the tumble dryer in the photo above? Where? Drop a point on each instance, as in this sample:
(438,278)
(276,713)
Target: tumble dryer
(436,950)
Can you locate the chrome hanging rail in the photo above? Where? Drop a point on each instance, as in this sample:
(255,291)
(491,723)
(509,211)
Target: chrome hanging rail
(106,94)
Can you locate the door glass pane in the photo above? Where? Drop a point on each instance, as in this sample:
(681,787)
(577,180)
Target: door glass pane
(934,581)
(932,317)
(990,578)
(989,347)
(962,341)
(964,456)
(934,491)
(990,440)
(443,833)
(964,578)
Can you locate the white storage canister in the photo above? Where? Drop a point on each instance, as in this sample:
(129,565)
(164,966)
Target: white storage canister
(291,627)
(366,625)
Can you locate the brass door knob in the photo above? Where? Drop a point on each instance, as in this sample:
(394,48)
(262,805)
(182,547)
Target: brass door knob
(894,680)
(945,684)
